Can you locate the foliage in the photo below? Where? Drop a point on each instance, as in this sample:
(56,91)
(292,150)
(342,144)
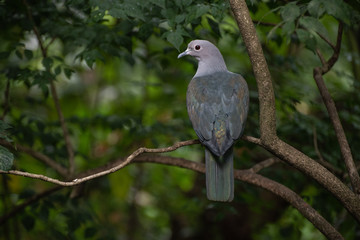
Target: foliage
(121,87)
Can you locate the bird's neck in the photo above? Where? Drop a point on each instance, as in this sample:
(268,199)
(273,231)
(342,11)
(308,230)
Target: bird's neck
(210,66)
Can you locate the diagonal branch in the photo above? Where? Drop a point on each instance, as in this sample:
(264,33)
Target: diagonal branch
(68,144)
(333,114)
(269,139)
(321,160)
(248,176)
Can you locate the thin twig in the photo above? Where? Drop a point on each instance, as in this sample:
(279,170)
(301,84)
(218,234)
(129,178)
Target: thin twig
(105,172)
(68,144)
(243,175)
(37,155)
(321,160)
(326,40)
(263,164)
(333,114)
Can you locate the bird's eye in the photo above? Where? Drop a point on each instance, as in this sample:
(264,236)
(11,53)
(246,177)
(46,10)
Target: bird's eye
(197,47)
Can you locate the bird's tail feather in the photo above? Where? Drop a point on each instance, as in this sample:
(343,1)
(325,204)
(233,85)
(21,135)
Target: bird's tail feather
(219,176)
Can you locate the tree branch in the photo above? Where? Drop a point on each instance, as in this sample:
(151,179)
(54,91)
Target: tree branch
(269,139)
(263,164)
(321,160)
(68,144)
(333,114)
(37,155)
(102,173)
(261,71)
(248,176)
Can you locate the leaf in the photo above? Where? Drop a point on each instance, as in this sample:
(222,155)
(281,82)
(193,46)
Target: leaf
(314,24)
(68,72)
(160,3)
(288,28)
(47,63)
(6,159)
(290,12)
(28,222)
(306,38)
(133,11)
(337,9)
(214,26)
(90,232)
(117,13)
(28,54)
(176,39)
(316,8)
(57,70)
(19,54)
(4,55)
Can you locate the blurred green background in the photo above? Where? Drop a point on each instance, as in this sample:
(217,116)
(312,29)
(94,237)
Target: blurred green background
(121,87)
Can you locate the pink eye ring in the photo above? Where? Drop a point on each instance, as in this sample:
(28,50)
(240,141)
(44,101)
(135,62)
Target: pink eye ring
(197,47)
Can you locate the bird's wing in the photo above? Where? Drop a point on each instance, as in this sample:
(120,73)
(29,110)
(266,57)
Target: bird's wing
(217,106)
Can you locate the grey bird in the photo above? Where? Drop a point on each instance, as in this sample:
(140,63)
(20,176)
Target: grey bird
(217,104)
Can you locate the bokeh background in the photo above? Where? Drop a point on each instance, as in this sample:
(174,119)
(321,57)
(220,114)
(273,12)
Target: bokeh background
(121,87)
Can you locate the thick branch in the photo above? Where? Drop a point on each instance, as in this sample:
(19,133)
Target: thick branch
(310,167)
(244,175)
(37,155)
(68,144)
(333,113)
(261,71)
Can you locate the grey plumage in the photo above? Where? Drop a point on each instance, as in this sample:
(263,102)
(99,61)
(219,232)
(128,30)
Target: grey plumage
(217,104)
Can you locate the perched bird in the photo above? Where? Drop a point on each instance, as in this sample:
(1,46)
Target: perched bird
(217,104)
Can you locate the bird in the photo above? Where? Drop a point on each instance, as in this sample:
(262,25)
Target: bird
(217,103)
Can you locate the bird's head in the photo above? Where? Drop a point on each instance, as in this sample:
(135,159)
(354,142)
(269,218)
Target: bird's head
(208,55)
(201,49)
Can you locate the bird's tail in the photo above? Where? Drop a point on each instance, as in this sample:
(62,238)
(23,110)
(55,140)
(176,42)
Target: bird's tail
(219,176)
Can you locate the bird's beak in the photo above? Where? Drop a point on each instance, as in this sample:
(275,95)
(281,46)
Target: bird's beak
(184,53)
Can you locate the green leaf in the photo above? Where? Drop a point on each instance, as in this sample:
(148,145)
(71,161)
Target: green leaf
(314,24)
(28,222)
(97,15)
(316,8)
(214,26)
(57,70)
(68,72)
(4,55)
(47,63)
(28,54)
(133,11)
(288,28)
(338,9)
(90,232)
(117,12)
(176,39)
(160,3)
(6,159)
(290,12)
(19,54)
(306,38)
